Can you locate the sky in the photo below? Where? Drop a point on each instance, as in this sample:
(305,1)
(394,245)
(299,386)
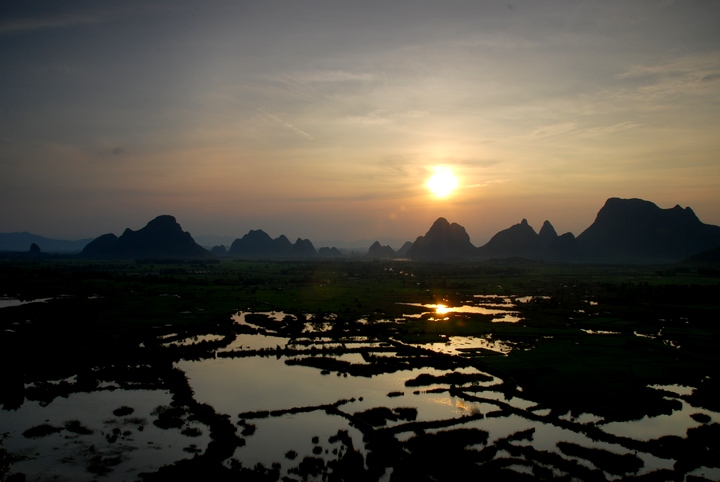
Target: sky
(325,119)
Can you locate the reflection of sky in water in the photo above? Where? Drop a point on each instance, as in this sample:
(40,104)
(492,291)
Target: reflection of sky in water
(265,383)
(255,342)
(600,332)
(94,411)
(489,305)
(547,436)
(239,317)
(441,309)
(710,473)
(456,343)
(648,428)
(7,302)
(275,436)
(679,389)
(243,384)
(192,340)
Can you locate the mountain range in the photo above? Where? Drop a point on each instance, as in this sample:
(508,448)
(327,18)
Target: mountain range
(625,231)
(21,242)
(162,237)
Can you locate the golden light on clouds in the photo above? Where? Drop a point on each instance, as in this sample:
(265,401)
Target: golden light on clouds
(443,182)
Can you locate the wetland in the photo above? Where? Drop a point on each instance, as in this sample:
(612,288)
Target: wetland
(357,370)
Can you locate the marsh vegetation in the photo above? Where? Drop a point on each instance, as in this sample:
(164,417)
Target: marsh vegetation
(342,370)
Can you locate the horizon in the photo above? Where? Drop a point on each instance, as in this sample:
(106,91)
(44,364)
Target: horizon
(211,240)
(355,121)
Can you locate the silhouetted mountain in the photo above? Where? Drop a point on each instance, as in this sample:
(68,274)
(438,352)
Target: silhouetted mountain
(219,250)
(547,235)
(326,252)
(625,231)
(402,252)
(255,243)
(563,248)
(444,241)
(303,248)
(378,251)
(102,247)
(638,231)
(519,240)
(34,249)
(258,244)
(160,238)
(709,258)
(19,242)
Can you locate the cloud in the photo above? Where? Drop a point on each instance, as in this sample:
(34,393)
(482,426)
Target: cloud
(491,41)
(690,73)
(552,130)
(52,20)
(372,118)
(115,151)
(604,130)
(332,76)
(287,125)
(688,64)
(487,183)
(379,117)
(60,21)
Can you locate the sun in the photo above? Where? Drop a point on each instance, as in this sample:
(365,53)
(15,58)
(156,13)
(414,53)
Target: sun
(442,183)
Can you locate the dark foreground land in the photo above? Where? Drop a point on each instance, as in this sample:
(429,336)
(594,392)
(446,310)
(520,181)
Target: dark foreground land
(543,372)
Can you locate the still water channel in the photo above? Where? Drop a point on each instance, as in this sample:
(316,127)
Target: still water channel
(259,381)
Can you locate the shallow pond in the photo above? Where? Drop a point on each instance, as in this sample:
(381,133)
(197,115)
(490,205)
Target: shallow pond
(501,308)
(91,448)
(289,397)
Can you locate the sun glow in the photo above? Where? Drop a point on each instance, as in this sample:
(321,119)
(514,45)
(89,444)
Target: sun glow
(442,183)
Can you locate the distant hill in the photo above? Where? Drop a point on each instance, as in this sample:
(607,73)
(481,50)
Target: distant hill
(379,251)
(160,238)
(219,250)
(20,242)
(402,252)
(326,252)
(521,241)
(630,231)
(258,244)
(638,231)
(443,241)
(709,258)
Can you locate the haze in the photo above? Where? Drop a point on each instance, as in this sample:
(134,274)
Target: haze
(325,120)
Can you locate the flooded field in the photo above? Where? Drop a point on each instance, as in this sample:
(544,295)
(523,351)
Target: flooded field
(443,391)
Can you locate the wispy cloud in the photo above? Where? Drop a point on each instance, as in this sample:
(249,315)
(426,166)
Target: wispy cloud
(552,130)
(60,21)
(689,74)
(288,125)
(381,117)
(115,151)
(487,183)
(332,76)
(493,41)
(90,16)
(372,118)
(605,130)
(693,64)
